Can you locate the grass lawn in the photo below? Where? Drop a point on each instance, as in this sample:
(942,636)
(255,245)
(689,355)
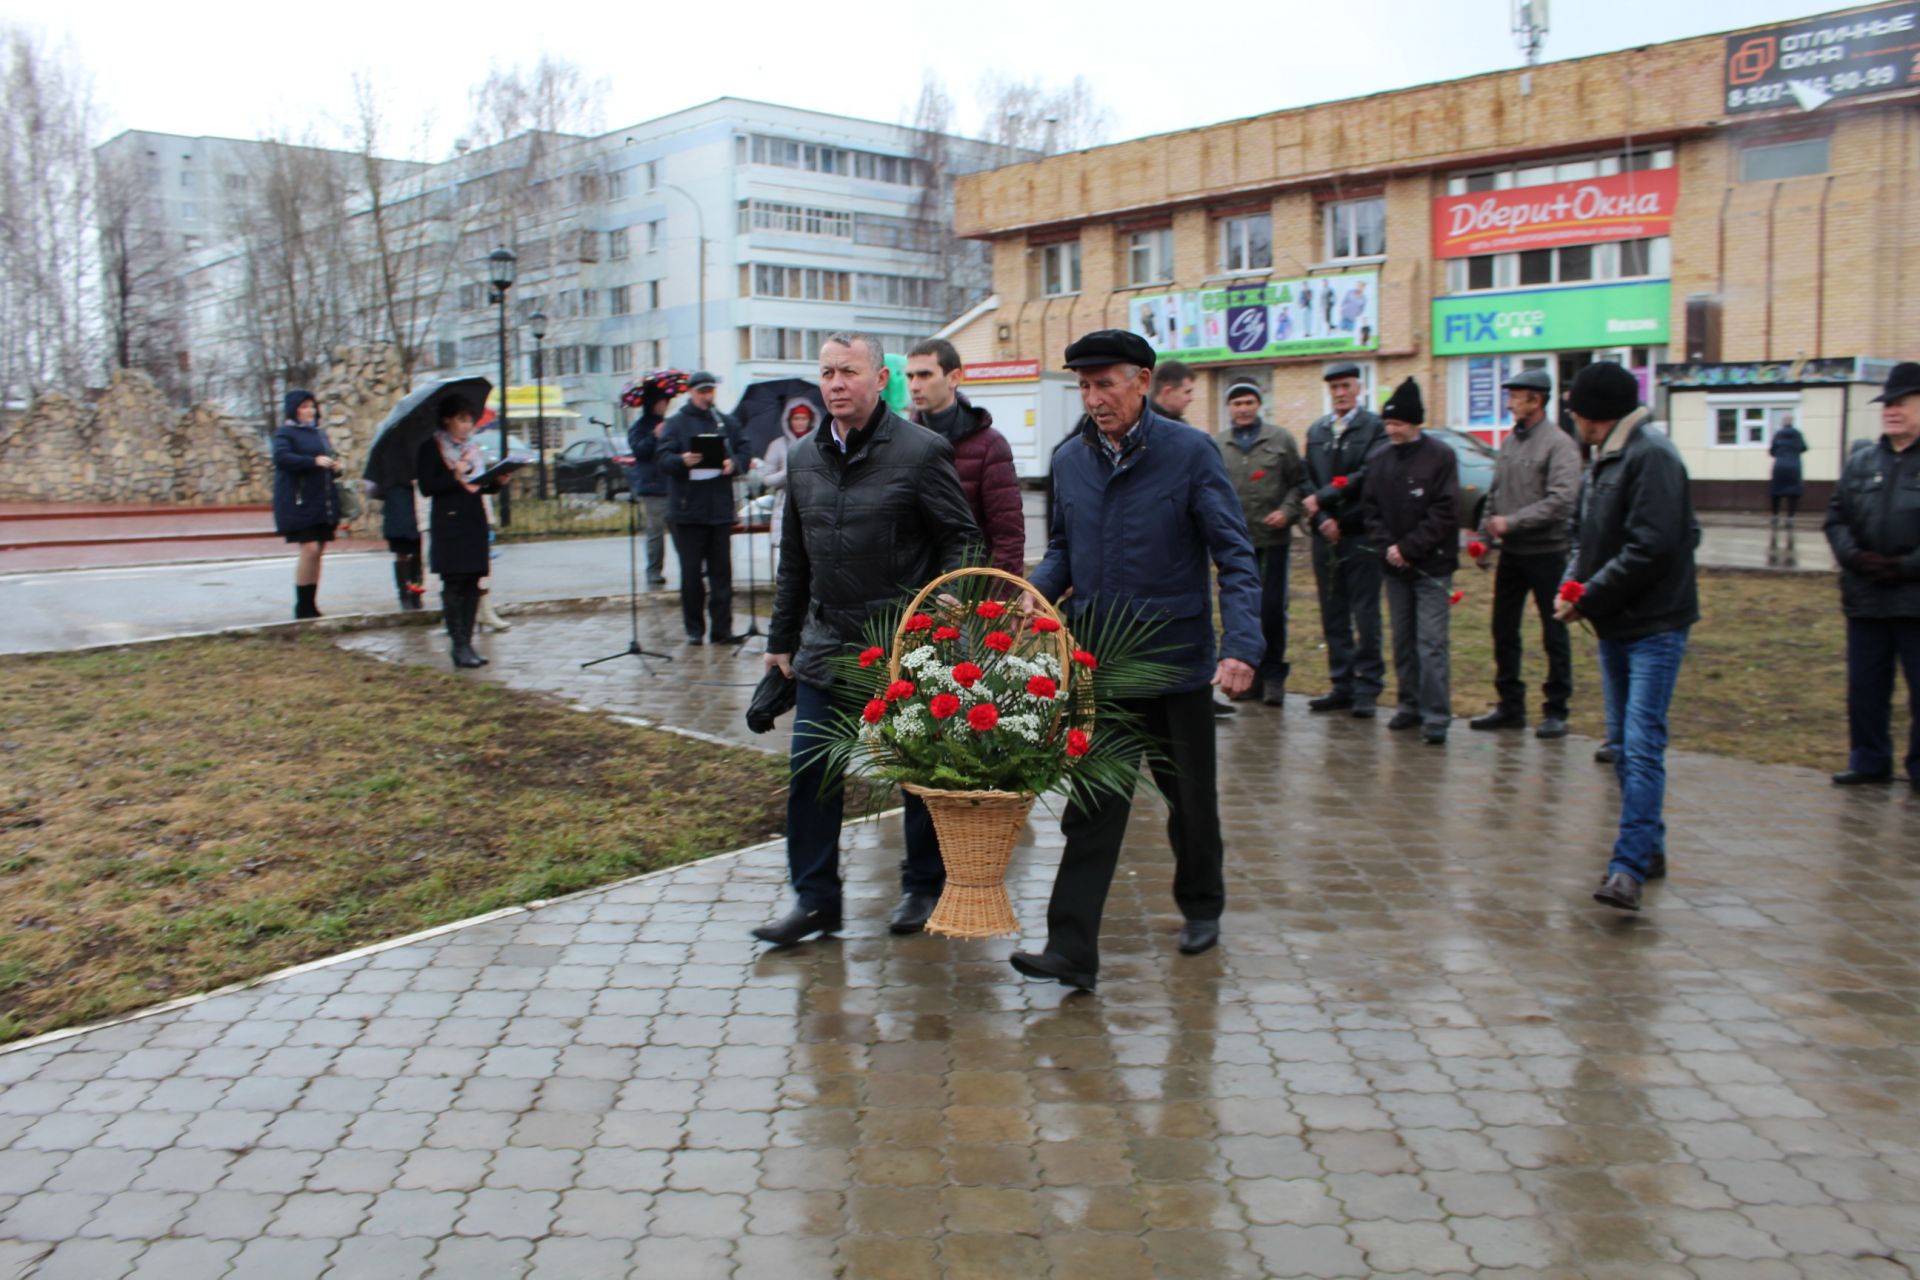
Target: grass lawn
(175,817)
(1764,677)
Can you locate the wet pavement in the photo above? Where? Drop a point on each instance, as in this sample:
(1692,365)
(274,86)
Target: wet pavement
(1420,1051)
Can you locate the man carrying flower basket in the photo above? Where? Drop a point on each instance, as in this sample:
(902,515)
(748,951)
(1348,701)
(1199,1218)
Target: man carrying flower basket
(874,505)
(1143,514)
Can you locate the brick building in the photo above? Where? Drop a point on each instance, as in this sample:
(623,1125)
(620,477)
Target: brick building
(1748,200)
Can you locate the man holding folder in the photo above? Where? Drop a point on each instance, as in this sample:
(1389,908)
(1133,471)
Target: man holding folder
(700,451)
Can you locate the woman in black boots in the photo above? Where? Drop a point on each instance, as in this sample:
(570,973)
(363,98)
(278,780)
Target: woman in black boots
(305,508)
(400,526)
(458,521)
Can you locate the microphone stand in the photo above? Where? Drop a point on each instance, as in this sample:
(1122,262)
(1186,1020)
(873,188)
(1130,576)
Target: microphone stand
(634,648)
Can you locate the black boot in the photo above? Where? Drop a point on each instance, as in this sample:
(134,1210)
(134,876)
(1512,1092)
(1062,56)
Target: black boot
(403,584)
(303,605)
(459,611)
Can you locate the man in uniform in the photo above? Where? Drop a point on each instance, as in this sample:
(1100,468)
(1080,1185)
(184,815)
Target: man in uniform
(1346,569)
(1264,465)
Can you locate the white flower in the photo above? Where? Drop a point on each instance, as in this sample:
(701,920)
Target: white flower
(911,721)
(1023,723)
(918,658)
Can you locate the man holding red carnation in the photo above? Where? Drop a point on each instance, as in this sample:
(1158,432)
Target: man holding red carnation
(1632,576)
(1143,515)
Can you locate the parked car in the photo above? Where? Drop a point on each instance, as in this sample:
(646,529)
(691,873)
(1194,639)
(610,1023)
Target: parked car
(1475,458)
(591,466)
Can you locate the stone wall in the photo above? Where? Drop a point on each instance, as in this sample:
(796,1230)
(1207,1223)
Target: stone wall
(356,390)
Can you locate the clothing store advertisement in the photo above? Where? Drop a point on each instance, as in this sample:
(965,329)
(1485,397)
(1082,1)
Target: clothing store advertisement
(1603,315)
(1317,315)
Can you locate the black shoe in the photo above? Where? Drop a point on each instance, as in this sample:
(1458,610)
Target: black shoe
(1221,710)
(739,639)
(1045,964)
(1362,710)
(1607,755)
(303,605)
(1434,737)
(797,926)
(1404,720)
(656,584)
(1854,778)
(1657,868)
(696,641)
(1335,701)
(1551,727)
(1199,935)
(1499,718)
(1249,694)
(1274,695)
(911,915)
(1619,890)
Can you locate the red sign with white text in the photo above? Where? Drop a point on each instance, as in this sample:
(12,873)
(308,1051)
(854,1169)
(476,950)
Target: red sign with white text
(1626,206)
(1001,371)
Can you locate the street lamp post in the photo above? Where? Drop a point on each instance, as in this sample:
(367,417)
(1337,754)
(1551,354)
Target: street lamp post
(500,264)
(537,325)
(700,230)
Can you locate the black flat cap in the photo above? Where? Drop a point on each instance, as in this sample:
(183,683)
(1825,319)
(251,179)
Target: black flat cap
(1345,369)
(1109,346)
(702,378)
(1530,380)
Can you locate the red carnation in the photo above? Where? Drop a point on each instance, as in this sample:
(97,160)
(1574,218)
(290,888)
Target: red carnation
(1045,625)
(1086,659)
(983,717)
(1476,549)
(1260,475)
(870,656)
(1572,591)
(1339,482)
(1041,687)
(943,705)
(989,609)
(899,689)
(998,641)
(965,673)
(1077,744)
(1456,597)
(946,633)
(874,711)
(919,622)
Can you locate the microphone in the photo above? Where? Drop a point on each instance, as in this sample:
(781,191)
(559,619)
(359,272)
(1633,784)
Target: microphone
(596,422)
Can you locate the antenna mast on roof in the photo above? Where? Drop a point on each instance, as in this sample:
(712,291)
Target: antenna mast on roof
(1530,27)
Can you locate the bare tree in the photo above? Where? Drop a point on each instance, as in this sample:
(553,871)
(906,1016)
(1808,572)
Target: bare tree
(1030,115)
(966,267)
(140,275)
(49,331)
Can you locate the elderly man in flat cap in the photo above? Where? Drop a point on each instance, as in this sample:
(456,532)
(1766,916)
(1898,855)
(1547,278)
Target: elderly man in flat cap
(1144,514)
(1338,445)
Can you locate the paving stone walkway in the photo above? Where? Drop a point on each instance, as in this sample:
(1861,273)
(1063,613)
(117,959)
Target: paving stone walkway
(1421,1051)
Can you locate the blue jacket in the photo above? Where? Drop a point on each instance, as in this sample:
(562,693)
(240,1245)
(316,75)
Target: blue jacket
(645,475)
(1148,533)
(302,492)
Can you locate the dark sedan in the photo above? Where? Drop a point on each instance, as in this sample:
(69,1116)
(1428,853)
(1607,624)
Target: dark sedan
(1476,471)
(591,466)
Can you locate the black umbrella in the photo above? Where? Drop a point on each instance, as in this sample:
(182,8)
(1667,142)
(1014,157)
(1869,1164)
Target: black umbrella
(397,443)
(758,412)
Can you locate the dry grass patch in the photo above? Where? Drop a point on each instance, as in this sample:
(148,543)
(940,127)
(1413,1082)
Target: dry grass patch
(178,816)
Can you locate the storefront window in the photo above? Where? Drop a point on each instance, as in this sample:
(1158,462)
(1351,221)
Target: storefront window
(1749,425)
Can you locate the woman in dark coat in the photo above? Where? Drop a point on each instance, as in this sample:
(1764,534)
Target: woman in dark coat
(305,508)
(457,523)
(1788,444)
(400,526)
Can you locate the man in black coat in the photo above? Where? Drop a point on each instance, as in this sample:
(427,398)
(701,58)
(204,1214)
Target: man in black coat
(1631,575)
(700,507)
(874,508)
(1873,526)
(1345,567)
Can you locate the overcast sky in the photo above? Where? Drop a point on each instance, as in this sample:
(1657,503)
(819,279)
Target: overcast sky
(221,67)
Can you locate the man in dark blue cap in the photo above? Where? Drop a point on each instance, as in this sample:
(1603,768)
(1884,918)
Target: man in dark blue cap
(1144,514)
(1873,526)
(700,507)
(1346,569)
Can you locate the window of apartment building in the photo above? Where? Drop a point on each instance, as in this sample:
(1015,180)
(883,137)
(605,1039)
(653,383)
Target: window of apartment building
(1571,170)
(1246,242)
(1355,228)
(478,348)
(919,235)
(654,234)
(770,342)
(657,354)
(913,291)
(236,182)
(794,219)
(596,358)
(469,298)
(620,357)
(588,186)
(620,300)
(589,302)
(189,180)
(617,185)
(1748,422)
(190,212)
(1569,264)
(189,243)
(1772,161)
(810,283)
(587,247)
(650,173)
(446,354)
(1060,268)
(617,244)
(818,158)
(1150,256)
(653,295)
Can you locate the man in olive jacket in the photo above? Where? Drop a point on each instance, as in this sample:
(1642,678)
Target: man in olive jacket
(1873,526)
(1346,569)
(1632,577)
(874,510)
(1264,465)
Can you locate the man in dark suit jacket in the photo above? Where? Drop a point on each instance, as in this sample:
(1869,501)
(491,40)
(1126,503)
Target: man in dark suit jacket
(1345,567)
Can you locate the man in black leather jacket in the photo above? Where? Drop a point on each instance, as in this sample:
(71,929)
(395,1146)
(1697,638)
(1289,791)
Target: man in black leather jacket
(1631,574)
(1873,526)
(874,509)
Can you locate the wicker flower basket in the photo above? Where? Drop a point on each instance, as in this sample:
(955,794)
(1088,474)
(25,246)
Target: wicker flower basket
(977,829)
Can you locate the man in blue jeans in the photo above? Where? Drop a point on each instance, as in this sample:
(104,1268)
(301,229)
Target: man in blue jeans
(1631,575)
(874,509)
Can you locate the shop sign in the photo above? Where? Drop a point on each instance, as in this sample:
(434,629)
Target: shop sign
(1316,315)
(1001,371)
(1587,317)
(1623,206)
(1809,64)
(1766,373)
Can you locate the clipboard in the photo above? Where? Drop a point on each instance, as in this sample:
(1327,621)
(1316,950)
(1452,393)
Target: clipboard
(498,471)
(712,448)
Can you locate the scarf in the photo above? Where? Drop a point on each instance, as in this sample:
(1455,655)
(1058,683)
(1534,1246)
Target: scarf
(462,458)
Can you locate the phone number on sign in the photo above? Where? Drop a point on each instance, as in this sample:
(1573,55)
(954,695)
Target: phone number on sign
(1844,82)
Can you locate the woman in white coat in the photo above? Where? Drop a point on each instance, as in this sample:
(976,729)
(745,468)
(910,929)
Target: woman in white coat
(796,420)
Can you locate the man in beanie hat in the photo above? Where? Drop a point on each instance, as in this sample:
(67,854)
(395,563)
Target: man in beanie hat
(1264,465)
(1632,577)
(1873,525)
(1348,572)
(1535,482)
(1145,515)
(1412,509)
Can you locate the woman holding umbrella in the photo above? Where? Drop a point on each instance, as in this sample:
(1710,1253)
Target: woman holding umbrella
(447,464)
(796,420)
(306,510)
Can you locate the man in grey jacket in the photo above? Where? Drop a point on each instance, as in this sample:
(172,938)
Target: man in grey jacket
(1535,483)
